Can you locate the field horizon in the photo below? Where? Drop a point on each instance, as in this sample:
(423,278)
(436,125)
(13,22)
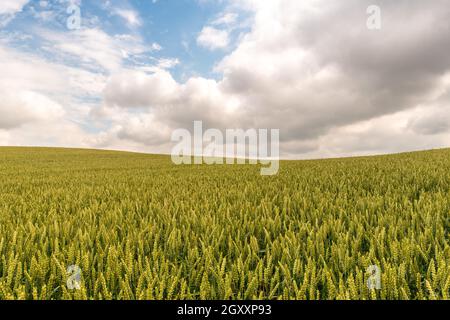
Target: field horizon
(31,148)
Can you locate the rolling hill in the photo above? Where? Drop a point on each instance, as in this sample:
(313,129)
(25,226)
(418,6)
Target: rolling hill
(139,227)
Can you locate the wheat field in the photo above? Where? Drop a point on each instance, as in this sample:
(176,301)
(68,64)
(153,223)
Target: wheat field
(139,227)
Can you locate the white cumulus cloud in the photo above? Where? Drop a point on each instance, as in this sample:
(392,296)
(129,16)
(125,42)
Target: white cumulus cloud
(131,17)
(213,38)
(12,6)
(330,91)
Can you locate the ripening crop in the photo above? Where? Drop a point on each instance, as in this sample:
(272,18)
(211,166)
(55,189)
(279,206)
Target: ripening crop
(139,227)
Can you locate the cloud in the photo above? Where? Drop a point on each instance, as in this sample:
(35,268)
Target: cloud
(228,18)
(12,6)
(133,89)
(213,39)
(314,70)
(432,123)
(28,107)
(41,101)
(94,48)
(131,17)
(301,67)
(9,8)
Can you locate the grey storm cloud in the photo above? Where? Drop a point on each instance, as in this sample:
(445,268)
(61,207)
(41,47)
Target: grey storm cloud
(309,67)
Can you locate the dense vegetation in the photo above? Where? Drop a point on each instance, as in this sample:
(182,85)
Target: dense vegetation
(142,228)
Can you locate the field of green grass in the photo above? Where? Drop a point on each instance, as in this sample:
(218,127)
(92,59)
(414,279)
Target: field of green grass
(140,227)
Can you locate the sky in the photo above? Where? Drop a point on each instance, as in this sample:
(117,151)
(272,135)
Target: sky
(127,73)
